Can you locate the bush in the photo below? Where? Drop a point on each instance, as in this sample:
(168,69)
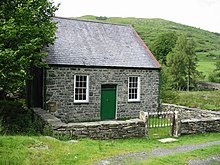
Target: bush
(214,77)
(168,96)
(15,119)
(102,18)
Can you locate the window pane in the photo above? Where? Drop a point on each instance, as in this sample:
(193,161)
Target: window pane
(84,84)
(77,84)
(135,85)
(135,96)
(76,97)
(80,87)
(132,96)
(84,96)
(133,88)
(80,84)
(80,97)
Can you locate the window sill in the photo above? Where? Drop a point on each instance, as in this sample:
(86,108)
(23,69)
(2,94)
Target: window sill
(134,101)
(81,102)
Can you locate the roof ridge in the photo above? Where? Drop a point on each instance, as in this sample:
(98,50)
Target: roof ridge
(93,21)
(146,48)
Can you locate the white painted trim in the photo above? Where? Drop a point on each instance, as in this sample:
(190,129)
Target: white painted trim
(138,90)
(87,90)
(116,102)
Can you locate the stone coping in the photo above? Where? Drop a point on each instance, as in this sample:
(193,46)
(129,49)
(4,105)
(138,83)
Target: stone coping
(57,123)
(106,122)
(200,120)
(193,109)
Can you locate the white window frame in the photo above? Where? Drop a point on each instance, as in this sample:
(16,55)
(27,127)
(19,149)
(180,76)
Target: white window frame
(138,89)
(87,90)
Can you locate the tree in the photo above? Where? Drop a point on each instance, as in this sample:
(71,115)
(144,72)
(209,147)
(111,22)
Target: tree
(163,44)
(215,76)
(167,93)
(25,29)
(176,69)
(181,63)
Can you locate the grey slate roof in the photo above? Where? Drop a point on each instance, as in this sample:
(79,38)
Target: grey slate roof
(89,43)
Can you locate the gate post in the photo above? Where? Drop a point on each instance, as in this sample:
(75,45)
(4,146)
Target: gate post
(144,116)
(176,124)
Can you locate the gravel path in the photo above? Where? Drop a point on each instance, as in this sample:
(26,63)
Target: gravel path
(124,159)
(212,160)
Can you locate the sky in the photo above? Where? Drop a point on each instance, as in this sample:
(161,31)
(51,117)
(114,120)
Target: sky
(204,14)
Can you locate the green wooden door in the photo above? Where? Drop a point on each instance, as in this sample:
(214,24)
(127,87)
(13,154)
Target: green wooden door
(108,102)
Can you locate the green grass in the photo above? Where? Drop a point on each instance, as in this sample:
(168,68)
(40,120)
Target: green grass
(199,99)
(183,158)
(157,133)
(40,150)
(161,131)
(206,63)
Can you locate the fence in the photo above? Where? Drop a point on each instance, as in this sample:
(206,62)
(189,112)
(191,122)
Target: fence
(160,124)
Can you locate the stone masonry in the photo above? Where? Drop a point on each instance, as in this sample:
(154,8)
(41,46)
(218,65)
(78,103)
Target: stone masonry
(190,113)
(194,120)
(60,87)
(209,85)
(116,129)
(193,126)
(94,130)
(133,128)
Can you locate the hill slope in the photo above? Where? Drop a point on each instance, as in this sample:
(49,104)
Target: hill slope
(149,29)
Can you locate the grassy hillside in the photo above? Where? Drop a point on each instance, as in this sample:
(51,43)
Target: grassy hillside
(207,62)
(148,29)
(208,43)
(199,99)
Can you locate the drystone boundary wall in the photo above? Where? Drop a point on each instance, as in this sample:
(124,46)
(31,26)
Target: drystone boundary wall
(209,85)
(95,130)
(190,121)
(189,113)
(194,120)
(193,126)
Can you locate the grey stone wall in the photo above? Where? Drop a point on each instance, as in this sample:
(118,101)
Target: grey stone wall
(59,89)
(133,128)
(208,85)
(202,125)
(94,130)
(194,120)
(190,113)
